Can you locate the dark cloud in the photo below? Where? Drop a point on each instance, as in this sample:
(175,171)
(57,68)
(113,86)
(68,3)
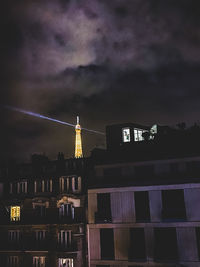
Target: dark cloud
(109,61)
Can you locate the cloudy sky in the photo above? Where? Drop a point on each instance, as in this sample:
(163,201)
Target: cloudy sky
(108,61)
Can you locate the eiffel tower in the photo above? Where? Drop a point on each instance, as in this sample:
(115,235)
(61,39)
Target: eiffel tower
(78,142)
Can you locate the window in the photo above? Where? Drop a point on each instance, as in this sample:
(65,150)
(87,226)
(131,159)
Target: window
(107,244)
(173,205)
(137,249)
(13,261)
(66,211)
(126,136)
(42,186)
(13,236)
(40,235)
(77,183)
(70,183)
(142,206)
(65,238)
(47,185)
(22,187)
(15,213)
(66,262)
(103,208)
(40,210)
(38,261)
(138,134)
(165,244)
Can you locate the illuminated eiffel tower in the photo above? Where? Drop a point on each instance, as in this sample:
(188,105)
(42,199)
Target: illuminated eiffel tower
(78,142)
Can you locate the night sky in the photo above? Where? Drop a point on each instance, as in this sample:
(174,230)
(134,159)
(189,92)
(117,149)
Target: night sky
(109,61)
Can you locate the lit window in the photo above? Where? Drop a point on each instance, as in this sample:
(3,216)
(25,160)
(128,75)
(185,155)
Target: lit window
(38,261)
(15,213)
(138,135)
(66,262)
(126,135)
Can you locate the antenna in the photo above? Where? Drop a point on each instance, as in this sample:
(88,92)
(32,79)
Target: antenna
(77,119)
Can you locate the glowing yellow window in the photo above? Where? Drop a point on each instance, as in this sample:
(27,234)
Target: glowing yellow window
(15,213)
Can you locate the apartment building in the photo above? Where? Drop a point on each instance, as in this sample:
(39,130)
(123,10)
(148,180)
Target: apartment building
(144,200)
(43,214)
(147,225)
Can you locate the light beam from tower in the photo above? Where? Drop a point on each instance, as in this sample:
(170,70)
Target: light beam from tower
(78,142)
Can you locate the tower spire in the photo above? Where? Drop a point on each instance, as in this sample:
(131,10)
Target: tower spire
(78,142)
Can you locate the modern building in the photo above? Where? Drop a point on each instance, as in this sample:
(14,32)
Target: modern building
(144,200)
(42,213)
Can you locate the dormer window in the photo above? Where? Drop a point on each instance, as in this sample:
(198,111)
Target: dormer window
(15,213)
(126,136)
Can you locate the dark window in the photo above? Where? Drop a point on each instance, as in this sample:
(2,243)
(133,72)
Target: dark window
(65,184)
(142,206)
(107,244)
(165,244)
(47,185)
(137,249)
(76,183)
(40,211)
(39,186)
(198,240)
(66,211)
(173,205)
(70,184)
(103,208)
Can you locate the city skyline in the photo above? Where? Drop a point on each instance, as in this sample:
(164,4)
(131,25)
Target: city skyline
(109,62)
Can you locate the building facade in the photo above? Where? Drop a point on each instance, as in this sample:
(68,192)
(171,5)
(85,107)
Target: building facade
(43,214)
(144,199)
(155,224)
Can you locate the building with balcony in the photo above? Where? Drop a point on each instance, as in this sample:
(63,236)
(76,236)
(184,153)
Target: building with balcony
(144,202)
(43,213)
